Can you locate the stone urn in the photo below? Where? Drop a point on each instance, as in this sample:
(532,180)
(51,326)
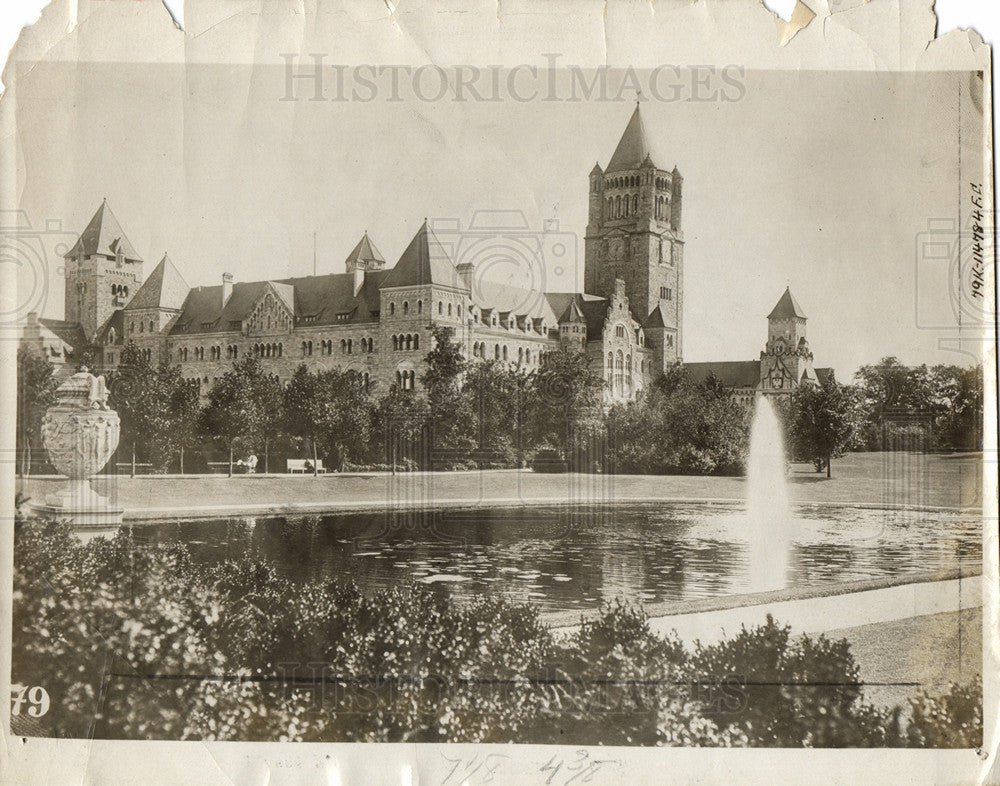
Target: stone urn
(81,434)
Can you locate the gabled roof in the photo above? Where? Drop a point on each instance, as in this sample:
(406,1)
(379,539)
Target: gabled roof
(58,332)
(655,319)
(104,236)
(731,373)
(320,298)
(164,288)
(423,262)
(787,307)
(825,376)
(364,251)
(116,322)
(633,148)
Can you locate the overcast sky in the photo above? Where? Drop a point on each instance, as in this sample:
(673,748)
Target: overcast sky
(818,179)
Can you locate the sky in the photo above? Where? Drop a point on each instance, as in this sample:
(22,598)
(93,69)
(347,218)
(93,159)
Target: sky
(827,182)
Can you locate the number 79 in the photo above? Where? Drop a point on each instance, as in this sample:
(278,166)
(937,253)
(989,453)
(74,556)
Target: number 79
(36,696)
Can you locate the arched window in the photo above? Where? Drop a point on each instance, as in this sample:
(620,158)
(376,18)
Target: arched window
(618,206)
(399,379)
(496,351)
(611,360)
(460,310)
(343,347)
(350,347)
(449,309)
(392,309)
(440,307)
(420,307)
(527,356)
(416,341)
(635,204)
(520,355)
(504,351)
(151,326)
(406,307)
(279,350)
(409,342)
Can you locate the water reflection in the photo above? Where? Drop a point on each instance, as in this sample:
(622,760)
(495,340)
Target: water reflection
(566,559)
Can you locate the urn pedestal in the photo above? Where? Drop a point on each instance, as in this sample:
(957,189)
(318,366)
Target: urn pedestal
(80,434)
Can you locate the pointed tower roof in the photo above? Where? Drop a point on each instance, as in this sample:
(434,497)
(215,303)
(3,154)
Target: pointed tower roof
(164,288)
(364,251)
(104,236)
(572,313)
(633,148)
(597,169)
(787,307)
(423,262)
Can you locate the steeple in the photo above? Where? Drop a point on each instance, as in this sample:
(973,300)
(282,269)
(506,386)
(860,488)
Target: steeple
(424,262)
(364,256)
(105,237)
(633,148)
(787,307)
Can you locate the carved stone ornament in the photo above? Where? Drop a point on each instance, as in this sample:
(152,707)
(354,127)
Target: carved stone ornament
(81,434)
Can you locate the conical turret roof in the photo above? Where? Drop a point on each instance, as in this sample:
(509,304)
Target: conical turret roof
(787,307)
(104,236)
(164,288)
(633,148)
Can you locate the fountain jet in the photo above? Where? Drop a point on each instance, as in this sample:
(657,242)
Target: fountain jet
(769,513)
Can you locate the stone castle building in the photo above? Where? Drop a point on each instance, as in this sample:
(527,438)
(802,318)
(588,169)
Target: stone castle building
(376,320)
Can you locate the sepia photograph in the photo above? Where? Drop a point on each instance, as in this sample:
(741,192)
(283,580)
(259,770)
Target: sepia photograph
(547,404)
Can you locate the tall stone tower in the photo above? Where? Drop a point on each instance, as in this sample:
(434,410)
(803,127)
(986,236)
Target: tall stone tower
(634,234)
(103,271)
(786,361)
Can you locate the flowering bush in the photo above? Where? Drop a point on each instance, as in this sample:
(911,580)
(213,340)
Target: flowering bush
(135,641)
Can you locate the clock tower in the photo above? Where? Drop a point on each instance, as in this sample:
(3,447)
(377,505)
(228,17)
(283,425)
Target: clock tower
(786,361)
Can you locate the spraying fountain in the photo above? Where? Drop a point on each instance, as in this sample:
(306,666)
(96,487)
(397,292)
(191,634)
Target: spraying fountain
(769,514)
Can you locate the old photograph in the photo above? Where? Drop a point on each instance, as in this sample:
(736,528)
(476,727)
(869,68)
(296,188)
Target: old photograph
(543,404)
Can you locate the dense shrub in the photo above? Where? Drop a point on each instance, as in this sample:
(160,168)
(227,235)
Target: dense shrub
(140,642)
(952,720)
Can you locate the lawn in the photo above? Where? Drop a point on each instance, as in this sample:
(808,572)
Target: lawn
(891,479)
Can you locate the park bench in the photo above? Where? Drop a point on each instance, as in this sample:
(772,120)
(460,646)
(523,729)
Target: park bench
(299,465)
(218,466)
(125,468)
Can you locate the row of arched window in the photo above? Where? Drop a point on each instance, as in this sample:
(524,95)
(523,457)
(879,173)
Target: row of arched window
(662,208)
(406,342)
(620,371)
(119,290)
(361,377)
(405,379)
(442,308)
(623,207)
(631,181)
(152,326)
(500,352)
(268,350)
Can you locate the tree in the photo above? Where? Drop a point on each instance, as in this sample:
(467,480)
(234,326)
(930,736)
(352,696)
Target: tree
(243,409)
(565,405)
(822,419)
(157,406)
(678,426)
(451,416)
(331,408)
(35,393)
(497,393)
(958,396)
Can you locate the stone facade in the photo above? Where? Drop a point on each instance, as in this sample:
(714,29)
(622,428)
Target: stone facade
(376,320)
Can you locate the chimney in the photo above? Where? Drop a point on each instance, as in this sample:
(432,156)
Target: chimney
(465,271)
(227,287)
(359,278)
